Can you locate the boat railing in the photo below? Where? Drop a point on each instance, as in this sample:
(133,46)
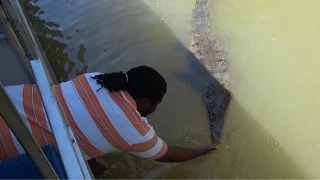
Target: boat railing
(72,159)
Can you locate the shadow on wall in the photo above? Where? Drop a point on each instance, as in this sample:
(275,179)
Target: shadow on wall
(247,150)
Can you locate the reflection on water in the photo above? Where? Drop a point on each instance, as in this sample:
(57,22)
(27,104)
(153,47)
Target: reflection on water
(270,122)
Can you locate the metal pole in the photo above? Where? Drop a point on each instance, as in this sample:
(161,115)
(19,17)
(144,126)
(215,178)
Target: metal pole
(20,130)
(73,162)
(75,165)
(16,4)
(16,43)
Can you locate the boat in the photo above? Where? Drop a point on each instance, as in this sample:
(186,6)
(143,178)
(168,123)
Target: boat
(23,61)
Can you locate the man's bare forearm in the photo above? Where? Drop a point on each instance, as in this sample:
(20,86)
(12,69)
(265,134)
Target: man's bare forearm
(181,154)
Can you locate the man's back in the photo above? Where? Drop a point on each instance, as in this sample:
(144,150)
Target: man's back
(27,101)
(103,121)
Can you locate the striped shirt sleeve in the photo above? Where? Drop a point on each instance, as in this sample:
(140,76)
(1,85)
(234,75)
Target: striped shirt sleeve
(150,146)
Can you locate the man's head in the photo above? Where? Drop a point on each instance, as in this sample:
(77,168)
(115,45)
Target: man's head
(144,84)
(147,87)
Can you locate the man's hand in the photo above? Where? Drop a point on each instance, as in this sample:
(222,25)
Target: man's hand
(205,149)
(181,154)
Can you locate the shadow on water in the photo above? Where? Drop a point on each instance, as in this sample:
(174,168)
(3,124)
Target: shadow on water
(247,150)
(198,77)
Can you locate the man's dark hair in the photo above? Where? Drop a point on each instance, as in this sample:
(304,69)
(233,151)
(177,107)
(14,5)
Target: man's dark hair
(140,82)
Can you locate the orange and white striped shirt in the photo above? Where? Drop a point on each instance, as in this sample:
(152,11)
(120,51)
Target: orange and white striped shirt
(102,121)
(27,100)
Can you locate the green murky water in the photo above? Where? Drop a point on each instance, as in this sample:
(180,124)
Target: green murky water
(272,45)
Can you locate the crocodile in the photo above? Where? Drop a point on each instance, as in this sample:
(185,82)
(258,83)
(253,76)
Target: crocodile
(210,53)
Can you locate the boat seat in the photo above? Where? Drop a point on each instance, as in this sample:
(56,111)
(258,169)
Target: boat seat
(22,167)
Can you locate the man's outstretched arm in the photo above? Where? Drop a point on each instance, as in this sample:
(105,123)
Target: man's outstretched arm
(181,154)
